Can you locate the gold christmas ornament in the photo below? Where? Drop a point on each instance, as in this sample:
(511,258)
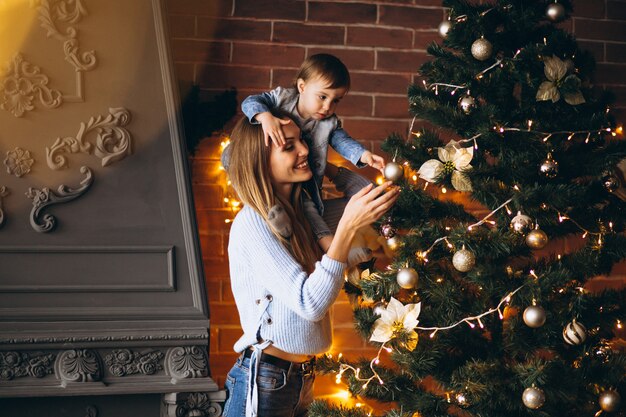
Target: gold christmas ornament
(463,260)
(393,243)
(521,223)
(393,171)
(444,28)
(574,333)
(407,278)
(533,398)
(609,401)
(534,316)
(549,167)
(482,49)
(555,12)
(537,238)
(467,104)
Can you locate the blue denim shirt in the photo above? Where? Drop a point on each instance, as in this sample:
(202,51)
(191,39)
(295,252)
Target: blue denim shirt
(317,133)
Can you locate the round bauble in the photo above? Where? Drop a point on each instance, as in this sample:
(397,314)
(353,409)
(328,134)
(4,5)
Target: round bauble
(387,230)
(463,260)
(549,167)
(467,104)
(536,239)
(482,49)
(444,28)
(407,278)
(393,171)
(610,182)
(555,12)
(609,401)
(574,333)
(521,223)
(533,398)
(534,316)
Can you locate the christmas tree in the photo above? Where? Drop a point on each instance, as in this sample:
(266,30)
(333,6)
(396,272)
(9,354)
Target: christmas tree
(486,313)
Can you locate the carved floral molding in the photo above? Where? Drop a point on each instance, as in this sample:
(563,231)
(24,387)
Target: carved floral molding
(122,362)
(112,142)
(19,364)
(18,162)
(187,362)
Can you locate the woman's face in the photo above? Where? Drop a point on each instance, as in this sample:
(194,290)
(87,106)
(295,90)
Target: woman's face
(289,163)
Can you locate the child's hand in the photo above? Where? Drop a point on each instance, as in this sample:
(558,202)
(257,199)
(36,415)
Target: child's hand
(272,128)
(373,160)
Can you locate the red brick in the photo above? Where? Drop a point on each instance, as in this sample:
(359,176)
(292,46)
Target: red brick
(185,72)
(207,172)
(214,269)
(212,245)
(308,34)
(200,51)
(410,17)
(400,61)
(367,129)
(610,74)
(348,338)
(228,337)
(271,9)
(616,52)
(593,9)
(616,10)
(224,313)
(371,82)
(220,364)
(214,291)
(566,25)
(381,37)
(283,77)
(235,29)
(620,95)
(596,48)
(275,55)
(608,30)
(227,293)
(342,313)
(423,38)
(209,196)
(212,220)
(395,107)
(355,59)
(355,105)
(200,7)
(182,26)
(342,12)
(227,76)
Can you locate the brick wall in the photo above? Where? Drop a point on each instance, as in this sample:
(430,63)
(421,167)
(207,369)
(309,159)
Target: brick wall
(255,45)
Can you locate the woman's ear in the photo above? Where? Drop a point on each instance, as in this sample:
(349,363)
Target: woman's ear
(300,83)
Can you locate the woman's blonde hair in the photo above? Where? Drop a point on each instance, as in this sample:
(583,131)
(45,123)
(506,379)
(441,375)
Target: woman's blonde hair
(249,173)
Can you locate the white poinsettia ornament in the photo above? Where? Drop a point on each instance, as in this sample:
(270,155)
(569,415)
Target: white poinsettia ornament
(454,160)
(559,83)
(397,320)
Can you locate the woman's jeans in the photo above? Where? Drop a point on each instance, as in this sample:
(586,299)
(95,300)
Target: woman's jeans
(284,391)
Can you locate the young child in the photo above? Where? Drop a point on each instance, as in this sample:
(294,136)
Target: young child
(322,81)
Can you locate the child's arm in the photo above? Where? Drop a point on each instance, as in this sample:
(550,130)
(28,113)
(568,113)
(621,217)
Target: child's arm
(353,151)
(257,110)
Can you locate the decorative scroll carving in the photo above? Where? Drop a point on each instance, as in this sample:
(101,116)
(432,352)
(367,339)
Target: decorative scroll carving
(44,198)
(186,362)
(18,364)
(123,362)
(4,191)
(18,162)
(91,411)
(112,141)
(24,83)
(82,339)
(78,365)
(194,404)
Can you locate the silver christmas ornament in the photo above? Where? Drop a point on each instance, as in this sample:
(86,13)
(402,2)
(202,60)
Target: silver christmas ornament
(534,316)
(609,401)
(521,223)
(536,239)
(467,103)
(610,182)
(549,167)
(574,333)
(407,278)
(482,49)
(387,230)
(393,171)
(533,398)
(463,260)
(555,12)
(444,28)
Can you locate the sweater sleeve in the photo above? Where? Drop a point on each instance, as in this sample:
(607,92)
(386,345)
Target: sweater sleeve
(260,103)
(273,267)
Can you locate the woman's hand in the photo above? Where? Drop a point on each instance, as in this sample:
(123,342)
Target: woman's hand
(363,209)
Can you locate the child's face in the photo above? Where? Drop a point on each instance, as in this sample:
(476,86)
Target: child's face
(318,101)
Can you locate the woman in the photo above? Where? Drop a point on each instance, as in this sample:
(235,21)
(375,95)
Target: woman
(283,285)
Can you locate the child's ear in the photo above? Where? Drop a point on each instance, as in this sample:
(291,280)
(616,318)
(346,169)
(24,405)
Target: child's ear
(300,83)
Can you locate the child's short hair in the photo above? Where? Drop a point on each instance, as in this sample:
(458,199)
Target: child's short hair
(326,66)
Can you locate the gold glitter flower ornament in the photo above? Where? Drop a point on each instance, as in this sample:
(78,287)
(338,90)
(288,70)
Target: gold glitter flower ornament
(559,83)
(454,159)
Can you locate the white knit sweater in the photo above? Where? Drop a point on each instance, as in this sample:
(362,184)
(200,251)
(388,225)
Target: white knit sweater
(276,299)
